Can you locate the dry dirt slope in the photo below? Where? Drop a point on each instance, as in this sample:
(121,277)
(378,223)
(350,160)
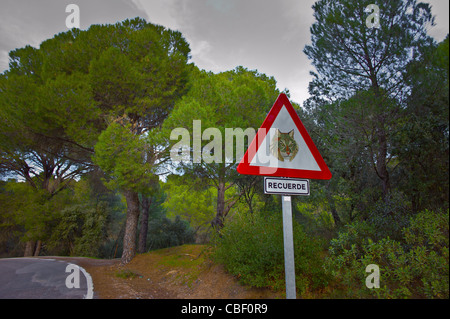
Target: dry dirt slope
(183,272)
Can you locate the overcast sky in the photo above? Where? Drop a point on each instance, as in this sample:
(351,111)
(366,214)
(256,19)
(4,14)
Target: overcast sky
(267,35)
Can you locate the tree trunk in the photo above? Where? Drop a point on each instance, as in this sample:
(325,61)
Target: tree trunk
(129,239)
(142,248)
(217,222)
(223,207)
(382,170)
(38,248)
(29,248)
(334,213)
(382,139)
(336,218)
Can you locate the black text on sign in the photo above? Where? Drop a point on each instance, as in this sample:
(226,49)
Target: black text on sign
(286,186)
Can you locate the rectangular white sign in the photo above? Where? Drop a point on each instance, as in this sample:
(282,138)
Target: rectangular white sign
(286,186)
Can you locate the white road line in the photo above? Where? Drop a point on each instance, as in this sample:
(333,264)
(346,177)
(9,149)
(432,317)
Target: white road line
(90,284)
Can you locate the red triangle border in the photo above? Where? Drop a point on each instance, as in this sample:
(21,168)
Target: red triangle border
(244,166)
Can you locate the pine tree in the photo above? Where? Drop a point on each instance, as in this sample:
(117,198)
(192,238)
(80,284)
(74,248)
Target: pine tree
(356,59)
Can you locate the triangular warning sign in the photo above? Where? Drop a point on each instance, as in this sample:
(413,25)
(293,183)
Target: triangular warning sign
(282,147)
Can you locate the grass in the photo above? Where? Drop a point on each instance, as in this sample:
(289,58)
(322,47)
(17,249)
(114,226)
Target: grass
(184,272)
(126,274)
(186,261)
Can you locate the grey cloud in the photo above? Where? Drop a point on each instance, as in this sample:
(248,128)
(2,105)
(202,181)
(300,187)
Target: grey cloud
(264,35)
(259,34)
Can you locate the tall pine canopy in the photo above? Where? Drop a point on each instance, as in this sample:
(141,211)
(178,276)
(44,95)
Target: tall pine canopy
(83,98)
(366,66)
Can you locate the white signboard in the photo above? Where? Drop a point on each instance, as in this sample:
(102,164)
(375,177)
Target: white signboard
(283,148)
(286,186)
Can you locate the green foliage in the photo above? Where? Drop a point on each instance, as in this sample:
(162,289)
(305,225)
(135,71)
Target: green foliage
(361,106)
(80,230)
(164,233)
(234,99)
(10,230)
(317,223)
(350,57)
(237,99)
(194,204)
(77,221)
(110,85)
(251,248)
(414,267)
(111,95)
(388,217)
(428,229)
(422,142)
(32,209)
(121,155)
(126,274)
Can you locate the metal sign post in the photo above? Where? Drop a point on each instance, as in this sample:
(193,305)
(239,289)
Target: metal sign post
(287,187)
(289,264)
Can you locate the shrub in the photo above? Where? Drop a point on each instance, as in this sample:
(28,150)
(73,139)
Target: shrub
(390,216)
(80,230)
(428,238)
(251,248)
(164,233)
(415,267)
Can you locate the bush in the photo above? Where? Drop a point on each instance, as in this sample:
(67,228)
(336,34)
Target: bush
(251,248)
(80,230)
(415,267)
(164,233)
(389,217)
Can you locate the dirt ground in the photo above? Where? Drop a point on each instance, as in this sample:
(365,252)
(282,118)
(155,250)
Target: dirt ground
(184,272)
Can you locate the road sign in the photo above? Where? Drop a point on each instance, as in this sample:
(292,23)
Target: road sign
(286,186)
(283,148)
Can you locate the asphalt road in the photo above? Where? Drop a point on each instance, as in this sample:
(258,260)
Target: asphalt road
(33,278)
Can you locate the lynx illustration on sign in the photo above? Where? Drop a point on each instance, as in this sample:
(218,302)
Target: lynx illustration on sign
(283,146)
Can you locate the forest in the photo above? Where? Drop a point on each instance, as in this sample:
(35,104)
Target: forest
(88,126)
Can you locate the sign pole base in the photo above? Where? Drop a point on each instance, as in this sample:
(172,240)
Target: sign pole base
(289,263)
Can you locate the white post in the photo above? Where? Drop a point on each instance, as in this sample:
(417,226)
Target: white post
(289,263)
